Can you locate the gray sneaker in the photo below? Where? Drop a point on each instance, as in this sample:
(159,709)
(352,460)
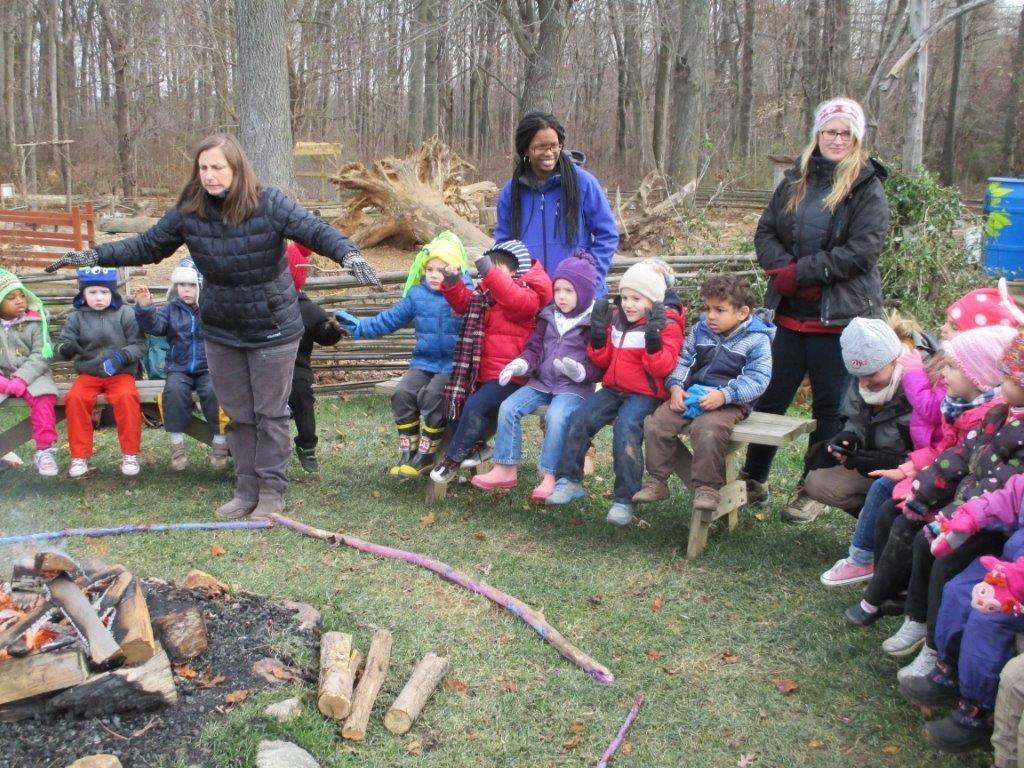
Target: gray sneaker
(907,640)
(802,509)
(565,492)
(235,508)
(922,664)
(620,514)
(271,502)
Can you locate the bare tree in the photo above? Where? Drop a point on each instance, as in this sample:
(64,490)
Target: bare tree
(948,168)
(1013,134)
(746,90)
(538,27)
(263,99)
(687,119)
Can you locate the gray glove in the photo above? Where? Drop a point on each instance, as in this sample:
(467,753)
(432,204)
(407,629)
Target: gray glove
(86,258)
(361,269)
(452,278)
(569,368)
(483,265)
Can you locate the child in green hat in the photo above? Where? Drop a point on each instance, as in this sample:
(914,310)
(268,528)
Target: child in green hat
(24,370)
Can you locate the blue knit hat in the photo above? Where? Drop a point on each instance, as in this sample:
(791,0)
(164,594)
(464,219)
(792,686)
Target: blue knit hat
(104,277)
(515,248)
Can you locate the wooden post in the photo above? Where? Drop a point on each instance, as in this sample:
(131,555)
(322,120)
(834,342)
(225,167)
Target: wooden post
(90,223)
(377,659)
(338,667)
(414,695)
(76,226)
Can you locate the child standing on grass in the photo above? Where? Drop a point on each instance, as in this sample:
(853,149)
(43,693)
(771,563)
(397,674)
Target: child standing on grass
(24,370)
(103,338)
(724,366)
(418,395)
(318,328)
(637,344)
(187,371)
(498,317)
(561,377)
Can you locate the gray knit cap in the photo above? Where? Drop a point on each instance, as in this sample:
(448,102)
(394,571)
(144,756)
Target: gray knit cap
(868,346)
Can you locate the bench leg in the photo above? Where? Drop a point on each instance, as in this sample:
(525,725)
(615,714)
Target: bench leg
(199,430)
(19,434)
(734,496)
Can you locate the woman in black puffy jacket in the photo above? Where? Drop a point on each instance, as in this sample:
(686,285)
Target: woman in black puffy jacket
(819,240)
(235,231)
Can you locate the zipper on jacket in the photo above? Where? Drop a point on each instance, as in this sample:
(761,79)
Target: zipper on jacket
(544,230)
(192,336)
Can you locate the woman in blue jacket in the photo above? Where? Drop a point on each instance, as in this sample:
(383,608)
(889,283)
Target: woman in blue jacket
(551,204)
(418,394)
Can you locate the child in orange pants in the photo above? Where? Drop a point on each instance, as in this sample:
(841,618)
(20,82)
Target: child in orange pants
(104,340)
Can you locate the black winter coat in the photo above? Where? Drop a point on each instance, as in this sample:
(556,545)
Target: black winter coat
(845,263)
(249,299)
(317,330)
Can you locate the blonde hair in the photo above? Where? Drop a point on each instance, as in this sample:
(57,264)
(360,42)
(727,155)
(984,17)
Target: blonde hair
(847,171)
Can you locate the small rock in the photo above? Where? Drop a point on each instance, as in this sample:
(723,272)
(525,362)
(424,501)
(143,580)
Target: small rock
(97,761)
(204,583)
(308,616)
(285,711)
(283,754)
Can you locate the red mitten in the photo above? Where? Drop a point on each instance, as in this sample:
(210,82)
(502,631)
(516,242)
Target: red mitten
(1002,589)
(784,279)
(810,293)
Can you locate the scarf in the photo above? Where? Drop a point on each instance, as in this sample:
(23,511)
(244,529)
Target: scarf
(883,396)
(466,358)
(565,323)
(953,407)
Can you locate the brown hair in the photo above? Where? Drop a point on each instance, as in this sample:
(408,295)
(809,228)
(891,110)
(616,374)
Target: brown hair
(734,289)
(847,171)
(243,195)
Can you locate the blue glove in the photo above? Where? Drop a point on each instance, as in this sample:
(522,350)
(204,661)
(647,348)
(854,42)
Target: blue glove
(348,322)
(113,364)
(692,402)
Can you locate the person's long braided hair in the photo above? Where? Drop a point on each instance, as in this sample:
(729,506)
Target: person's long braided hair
(525,131)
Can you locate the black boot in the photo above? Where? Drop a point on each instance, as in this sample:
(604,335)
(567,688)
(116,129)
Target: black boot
(307,459)
(407,434)
(423,461)
(939,688)
(968,727)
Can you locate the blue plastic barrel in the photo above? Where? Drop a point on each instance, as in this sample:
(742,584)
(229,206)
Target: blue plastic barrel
(1004,228)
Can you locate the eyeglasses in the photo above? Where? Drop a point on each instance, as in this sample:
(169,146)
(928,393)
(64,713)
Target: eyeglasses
(544,149)
(831,135)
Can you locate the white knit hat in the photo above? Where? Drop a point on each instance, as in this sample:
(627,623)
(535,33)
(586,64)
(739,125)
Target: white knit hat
(844,109)
(646,280)
(186,273)
(868,346)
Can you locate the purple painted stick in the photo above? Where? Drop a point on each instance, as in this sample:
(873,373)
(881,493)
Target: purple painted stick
(533,618)
(623,730)
(68,533)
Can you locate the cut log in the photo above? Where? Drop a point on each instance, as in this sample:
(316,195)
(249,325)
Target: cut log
(377,660)
(41,673)
(16,629)
(418,196)
(143,686)
(338,667)
(103,648)
(116,591)
(132,627)
(204,583)
(126,224)
(414,695)
(183,634)
(47,563)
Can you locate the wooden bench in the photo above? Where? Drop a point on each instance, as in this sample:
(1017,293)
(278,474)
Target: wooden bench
(149,392)
(51,232)
(756,429)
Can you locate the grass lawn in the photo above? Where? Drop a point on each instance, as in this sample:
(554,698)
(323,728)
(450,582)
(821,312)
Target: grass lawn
(749,612)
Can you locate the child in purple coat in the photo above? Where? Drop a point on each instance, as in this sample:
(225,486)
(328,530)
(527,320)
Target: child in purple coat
(562,376)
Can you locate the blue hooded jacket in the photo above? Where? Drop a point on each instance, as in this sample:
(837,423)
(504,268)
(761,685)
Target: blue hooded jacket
(437,329)
(543,229)
(180,324)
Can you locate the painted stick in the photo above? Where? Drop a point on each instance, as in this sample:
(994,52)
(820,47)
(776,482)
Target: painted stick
(69,533)
(532,618)
(623,730)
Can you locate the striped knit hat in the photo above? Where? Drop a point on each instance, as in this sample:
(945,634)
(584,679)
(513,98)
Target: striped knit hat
(518,249)
(11,282)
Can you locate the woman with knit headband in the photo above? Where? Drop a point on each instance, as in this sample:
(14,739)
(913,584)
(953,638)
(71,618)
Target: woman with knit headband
(819,240)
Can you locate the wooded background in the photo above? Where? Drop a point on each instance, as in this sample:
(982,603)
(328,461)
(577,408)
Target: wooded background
(685,86)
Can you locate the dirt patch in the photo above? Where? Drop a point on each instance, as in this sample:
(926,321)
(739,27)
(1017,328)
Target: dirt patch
(239,628)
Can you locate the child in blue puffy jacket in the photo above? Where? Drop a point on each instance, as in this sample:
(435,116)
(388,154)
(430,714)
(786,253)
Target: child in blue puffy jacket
(418,395)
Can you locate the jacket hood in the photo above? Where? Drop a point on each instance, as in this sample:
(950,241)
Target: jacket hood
(760,321)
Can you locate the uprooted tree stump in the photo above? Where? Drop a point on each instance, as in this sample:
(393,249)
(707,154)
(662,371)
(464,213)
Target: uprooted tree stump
(417,197)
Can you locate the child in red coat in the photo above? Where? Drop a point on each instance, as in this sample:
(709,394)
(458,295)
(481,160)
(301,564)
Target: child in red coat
(498,317)
(637,344)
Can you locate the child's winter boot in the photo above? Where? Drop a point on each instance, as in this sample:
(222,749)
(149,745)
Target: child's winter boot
(407,434)
(423,461)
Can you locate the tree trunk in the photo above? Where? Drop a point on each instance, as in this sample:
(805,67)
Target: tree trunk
(414,132)
(28,132)
(116,28)
(948,173)
(917,82)
(264,124)
(662,69)
(687,123)
(538,27)
(431,68)
(1013,133)
(746,79)
(632,51)
(812,58)
(7,63)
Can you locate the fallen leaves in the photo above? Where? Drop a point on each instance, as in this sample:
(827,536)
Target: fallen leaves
(217,550)
(576,728)
(237,697)
(455,685)
(746,760)
(657,603)
(510,686)
(184,671)
(595,599)
(273,671)
(815,744)
(414,747)
(206,680)
(786,687)
(890,749)
(479,537)
(427,520)
(729,657)
(655,655)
